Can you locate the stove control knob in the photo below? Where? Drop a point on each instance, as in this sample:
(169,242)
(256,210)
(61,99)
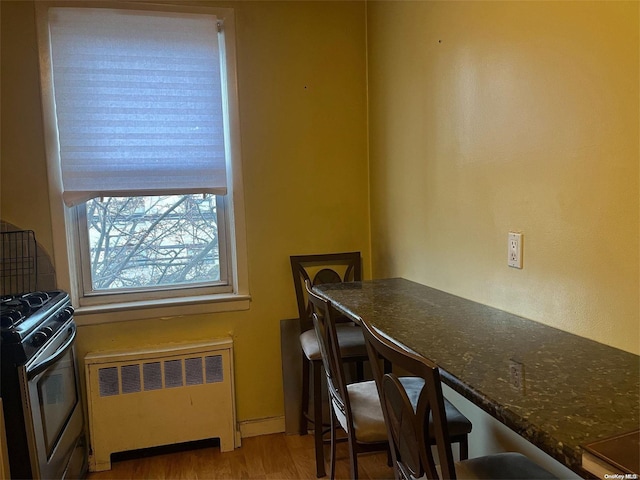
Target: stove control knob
(39,338)
(65,314)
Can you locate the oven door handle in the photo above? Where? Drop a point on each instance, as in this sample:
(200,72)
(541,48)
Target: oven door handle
(38,368)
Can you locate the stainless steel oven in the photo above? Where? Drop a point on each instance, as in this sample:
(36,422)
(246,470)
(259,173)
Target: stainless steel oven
(41,389)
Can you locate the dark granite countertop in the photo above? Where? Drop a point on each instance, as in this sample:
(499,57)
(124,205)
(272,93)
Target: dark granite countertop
(575,390)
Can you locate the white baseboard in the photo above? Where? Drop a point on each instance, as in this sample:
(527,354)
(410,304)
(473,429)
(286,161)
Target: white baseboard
(262,426)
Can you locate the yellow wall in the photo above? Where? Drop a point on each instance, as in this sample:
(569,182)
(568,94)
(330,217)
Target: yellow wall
(487,117)
(301,69)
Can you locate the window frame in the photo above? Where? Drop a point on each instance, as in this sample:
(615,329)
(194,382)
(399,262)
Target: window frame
(98,308)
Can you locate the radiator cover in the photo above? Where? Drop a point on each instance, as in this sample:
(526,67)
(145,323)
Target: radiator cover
(159,395)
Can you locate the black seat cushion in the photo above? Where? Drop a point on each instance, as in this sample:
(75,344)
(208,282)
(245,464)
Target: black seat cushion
(457,423)
(502,466)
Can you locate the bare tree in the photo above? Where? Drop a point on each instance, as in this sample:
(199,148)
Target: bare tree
(151,241)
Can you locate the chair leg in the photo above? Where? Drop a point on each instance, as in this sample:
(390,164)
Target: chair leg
(394,463)
(464,448)
(304,403)
(316,370)
(333,444)
(353,456)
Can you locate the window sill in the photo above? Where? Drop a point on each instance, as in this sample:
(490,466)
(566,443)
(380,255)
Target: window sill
(164,308)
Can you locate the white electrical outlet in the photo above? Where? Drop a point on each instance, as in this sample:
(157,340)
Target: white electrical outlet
(515,250)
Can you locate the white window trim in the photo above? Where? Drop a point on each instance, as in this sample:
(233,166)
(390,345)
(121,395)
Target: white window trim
(65,237)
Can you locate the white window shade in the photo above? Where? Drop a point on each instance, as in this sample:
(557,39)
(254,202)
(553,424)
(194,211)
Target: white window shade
(138,102)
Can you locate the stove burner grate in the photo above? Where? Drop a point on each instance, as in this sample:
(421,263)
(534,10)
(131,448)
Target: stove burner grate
(16,309)
(35,299)
(11,318)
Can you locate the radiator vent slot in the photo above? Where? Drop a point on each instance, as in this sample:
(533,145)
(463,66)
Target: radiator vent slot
(214,369)
(193,371)
(130,393)
(173,373)
(130,378)
(152,376)
(108,381)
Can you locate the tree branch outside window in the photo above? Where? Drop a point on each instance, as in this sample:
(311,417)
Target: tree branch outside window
(153,241)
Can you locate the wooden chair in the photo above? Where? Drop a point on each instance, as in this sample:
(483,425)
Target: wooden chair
(355,406)
(413,423)
(325,268)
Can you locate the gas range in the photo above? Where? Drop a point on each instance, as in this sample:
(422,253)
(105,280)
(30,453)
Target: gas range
(40,386)
(28,321)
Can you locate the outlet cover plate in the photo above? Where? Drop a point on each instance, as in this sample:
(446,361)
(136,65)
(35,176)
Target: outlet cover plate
(516,375)
(514,253)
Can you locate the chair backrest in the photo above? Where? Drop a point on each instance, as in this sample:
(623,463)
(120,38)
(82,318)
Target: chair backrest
(325,268)
(323,316)
(408,429)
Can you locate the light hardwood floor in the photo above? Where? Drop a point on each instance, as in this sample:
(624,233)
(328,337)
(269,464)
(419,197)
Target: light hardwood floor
(278,456)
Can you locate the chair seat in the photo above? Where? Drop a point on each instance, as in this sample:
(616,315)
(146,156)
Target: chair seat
(368,420)
(501,466)
(350,338)
(457,423)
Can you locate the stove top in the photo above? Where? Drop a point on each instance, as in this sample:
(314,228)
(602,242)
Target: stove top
(15,309)
(22,315)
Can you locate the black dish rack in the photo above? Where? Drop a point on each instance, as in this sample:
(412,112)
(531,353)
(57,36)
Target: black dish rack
(18,262)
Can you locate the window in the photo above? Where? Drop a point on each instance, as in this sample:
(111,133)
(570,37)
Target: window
(143,152)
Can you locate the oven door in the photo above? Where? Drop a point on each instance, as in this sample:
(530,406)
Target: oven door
(53,410)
